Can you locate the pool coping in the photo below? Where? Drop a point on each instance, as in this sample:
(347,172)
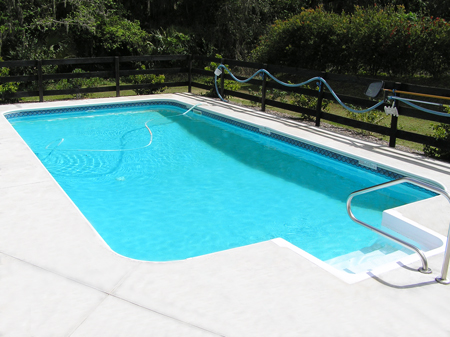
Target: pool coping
(109,282)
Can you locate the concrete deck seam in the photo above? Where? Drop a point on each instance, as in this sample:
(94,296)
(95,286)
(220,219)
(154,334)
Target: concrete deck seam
(112,295)
(87,316)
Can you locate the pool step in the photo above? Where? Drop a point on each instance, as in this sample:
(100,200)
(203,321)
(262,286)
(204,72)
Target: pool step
(367,258)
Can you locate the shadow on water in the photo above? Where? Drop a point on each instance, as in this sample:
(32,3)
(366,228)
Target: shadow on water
(332,178)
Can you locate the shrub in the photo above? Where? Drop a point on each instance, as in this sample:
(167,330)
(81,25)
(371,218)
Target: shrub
(273,94)
(369,40)
(442,133)
(304,101)
(77,83)
(372,117)
(171,42)
(306,40)
(6,89)
(147,79)
(309,102)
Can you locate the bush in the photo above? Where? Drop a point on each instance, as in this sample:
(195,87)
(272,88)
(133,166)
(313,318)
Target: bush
(309,102)
(442,133)
(369,40)
(6,89)
(77,83)
(304,101)
(305,40)
(146,79)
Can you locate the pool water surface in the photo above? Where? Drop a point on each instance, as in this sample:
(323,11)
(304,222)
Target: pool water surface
(190,185)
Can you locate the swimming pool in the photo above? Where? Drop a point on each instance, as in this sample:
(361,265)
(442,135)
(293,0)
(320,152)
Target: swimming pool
(205,183)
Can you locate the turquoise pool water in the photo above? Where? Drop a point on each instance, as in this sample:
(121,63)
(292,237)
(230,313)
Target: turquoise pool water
(202,185)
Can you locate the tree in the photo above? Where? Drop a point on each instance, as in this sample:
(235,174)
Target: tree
(31,29)
(232,27)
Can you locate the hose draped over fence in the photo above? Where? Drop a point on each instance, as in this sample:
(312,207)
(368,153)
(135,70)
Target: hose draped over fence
(319,81)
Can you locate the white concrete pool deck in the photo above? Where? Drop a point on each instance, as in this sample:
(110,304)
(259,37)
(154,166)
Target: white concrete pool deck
(59,278)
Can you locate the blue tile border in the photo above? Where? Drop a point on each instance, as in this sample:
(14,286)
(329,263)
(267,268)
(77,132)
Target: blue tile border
(26,113)
(295,142)
(306,146)
(312,148)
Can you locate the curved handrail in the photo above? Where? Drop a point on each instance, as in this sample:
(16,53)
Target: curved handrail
(424,269)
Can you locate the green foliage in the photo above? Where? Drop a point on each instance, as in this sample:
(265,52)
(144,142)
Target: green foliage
(277,94)
(42,29)
(441,132)
(232,27)
(119,36)
(228,84)
(77,83)
(170,42)
(304,101)
(372,117)
(146,79)
(309,102)
(7,89)
(348,6)
(369,40)
(39,29)
(213,65)
(307,40)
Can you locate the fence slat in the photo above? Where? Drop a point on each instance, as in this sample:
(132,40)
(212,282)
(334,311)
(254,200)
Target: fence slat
(75,91)
(154,58)
(155,71)
(61,76)
(13,64)
(9,79)
(84,60)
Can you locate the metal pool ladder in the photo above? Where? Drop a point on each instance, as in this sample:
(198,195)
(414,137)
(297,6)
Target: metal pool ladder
(424,269)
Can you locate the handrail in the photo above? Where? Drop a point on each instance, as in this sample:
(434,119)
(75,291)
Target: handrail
(424,269)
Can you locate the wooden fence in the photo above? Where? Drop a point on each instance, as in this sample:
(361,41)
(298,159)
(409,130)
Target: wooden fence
(33,77)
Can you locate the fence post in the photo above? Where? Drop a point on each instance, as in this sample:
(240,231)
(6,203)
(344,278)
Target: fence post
(117,74)
(319,101)
(263,89)
(40,81)
(190,74)
(222,79)
(394,119)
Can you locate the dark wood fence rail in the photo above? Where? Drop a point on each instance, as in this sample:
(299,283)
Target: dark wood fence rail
(33,76)
(112,64)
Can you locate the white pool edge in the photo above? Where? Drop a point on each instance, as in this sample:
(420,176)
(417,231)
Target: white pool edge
(346,277)
(354,278)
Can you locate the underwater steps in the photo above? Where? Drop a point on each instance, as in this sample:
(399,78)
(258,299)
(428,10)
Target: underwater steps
(368,258)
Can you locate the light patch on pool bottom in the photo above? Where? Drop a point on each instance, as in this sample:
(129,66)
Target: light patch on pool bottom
(379,258)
